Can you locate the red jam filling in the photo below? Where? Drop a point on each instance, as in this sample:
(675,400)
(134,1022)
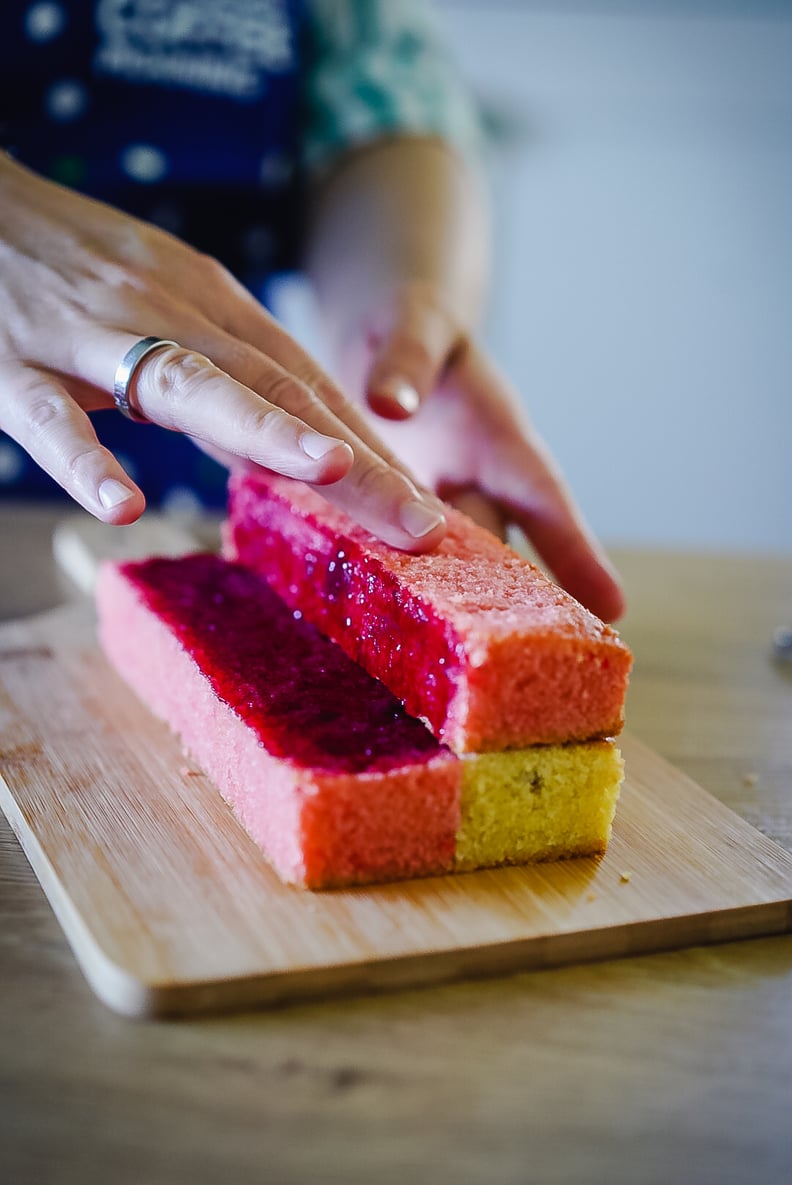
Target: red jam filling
(354,600)
(298,690)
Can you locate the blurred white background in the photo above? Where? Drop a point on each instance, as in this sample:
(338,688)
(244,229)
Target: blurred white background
(643,280)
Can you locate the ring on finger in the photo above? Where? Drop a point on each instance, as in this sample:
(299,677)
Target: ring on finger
(125,372)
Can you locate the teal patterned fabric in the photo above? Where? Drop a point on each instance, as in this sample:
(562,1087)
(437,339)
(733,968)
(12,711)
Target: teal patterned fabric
(375,67)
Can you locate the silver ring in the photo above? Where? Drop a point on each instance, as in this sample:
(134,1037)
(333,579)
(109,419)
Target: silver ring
(125,370)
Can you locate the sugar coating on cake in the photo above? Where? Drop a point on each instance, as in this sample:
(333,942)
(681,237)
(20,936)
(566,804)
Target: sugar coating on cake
(323,767)
(535,804)
(471,637)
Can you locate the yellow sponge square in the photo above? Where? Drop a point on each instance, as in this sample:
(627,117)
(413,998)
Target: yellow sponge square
(540,803)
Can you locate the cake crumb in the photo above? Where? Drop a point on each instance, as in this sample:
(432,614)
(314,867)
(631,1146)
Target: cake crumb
(591,896)
(186,772)
(750,779)
(625,877)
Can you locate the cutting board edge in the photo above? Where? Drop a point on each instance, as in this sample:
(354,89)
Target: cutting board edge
(133,997)
(136,999)
(123,992)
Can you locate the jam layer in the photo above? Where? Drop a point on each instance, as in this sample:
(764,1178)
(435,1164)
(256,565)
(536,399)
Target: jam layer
(299,691)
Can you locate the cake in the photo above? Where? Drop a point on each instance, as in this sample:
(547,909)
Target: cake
(543,803)
(472,638)
(322,765)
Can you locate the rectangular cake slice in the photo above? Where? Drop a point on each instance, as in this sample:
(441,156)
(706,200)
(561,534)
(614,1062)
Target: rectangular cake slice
(472,638)
(541,803)
(320,762)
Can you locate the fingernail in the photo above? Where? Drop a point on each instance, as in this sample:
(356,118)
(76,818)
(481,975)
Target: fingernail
(402,393)
(316,446)
(112,493)
(418,519)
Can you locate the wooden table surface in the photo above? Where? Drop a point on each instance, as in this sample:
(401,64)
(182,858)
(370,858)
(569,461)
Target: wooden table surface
(663,1069)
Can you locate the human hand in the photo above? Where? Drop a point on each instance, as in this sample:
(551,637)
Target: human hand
(461,427)
(81,283)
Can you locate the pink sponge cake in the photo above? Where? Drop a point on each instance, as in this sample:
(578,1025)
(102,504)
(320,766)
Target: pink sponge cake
(326,771)
(472,638)
(319,761)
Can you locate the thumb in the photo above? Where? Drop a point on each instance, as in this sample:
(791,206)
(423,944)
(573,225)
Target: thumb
(409,360)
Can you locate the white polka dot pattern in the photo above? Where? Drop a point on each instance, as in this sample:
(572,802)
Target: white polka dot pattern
(66,100)
(144,163)
(44,21)
(12,463)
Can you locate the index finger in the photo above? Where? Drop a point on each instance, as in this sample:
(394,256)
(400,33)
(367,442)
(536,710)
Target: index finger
(377,491)
(237,400)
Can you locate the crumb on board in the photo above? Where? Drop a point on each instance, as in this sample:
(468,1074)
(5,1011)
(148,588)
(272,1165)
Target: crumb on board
(625,877)
(186,772)
(591,896)
(750,779)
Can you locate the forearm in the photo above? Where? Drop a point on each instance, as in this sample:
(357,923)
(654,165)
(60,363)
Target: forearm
(401,213)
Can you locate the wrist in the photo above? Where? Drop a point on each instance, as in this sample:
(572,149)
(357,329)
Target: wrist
(408,215)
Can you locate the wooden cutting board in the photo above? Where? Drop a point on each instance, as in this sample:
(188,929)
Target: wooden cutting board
(171,909)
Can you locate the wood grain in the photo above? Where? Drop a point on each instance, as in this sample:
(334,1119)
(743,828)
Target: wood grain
(170,907)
